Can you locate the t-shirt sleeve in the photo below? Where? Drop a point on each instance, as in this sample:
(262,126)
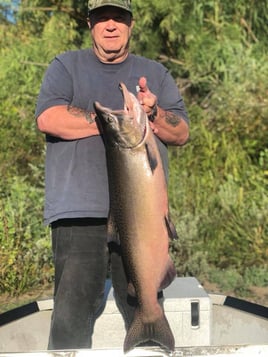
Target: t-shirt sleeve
(170,98)
(56,88)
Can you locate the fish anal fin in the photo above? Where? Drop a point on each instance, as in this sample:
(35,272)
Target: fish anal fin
(157,331)
(152,159)
(170,274)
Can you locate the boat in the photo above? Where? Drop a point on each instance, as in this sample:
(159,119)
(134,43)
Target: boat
(203,324)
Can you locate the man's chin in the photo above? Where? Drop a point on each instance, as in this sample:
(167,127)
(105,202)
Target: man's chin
(112,55)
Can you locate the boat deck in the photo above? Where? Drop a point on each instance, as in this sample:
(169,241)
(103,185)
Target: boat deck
(203,325)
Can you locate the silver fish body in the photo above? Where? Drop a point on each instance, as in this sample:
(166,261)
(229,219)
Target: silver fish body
(139,215)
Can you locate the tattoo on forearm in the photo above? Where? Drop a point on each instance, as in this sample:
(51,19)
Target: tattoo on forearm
(172,119)
(81,113)
(169,117)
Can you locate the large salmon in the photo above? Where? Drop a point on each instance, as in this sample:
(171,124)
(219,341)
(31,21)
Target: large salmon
(139,215)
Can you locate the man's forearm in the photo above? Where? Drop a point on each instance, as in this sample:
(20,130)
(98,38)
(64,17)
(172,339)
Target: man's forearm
(170,128)
(67,122)
(82,113)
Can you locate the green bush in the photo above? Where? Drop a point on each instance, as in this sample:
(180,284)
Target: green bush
(25,244)
(230,280)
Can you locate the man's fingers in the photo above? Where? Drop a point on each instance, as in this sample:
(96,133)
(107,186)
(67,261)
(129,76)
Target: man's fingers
(146,98)
(143,84)
(153,127)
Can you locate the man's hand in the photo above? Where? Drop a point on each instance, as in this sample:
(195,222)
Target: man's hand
(148,101)
(168,126)
(146,98)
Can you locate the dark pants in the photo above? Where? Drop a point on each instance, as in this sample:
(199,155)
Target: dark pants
(81,259)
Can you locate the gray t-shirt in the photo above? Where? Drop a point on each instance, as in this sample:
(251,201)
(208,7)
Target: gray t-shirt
(75,176)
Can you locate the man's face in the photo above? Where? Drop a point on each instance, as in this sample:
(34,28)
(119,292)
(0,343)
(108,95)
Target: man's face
(110,30)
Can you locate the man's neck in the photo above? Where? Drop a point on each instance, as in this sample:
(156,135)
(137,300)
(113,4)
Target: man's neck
(110,58)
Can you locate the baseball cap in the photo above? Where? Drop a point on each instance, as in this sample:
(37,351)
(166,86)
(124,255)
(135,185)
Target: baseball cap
(123,4)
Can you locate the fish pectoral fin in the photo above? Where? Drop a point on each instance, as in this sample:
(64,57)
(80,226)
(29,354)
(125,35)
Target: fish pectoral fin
(131,290)
(157,331)
(112,233)
(172,233)
(152,159)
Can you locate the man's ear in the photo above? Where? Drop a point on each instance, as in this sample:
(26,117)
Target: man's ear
(89,23)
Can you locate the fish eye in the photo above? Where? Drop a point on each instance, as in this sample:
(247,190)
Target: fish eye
(110,119)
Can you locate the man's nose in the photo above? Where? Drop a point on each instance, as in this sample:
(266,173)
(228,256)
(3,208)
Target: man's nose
(110,25)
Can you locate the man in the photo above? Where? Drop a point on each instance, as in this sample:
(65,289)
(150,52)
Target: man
(77,200)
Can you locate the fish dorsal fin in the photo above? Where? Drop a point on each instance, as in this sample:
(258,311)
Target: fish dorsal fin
(152,159)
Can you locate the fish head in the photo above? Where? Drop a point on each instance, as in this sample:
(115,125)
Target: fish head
(124,128)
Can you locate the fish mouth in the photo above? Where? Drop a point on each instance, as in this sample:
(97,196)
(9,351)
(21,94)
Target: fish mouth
(132,107)
(128,127)
(128,105)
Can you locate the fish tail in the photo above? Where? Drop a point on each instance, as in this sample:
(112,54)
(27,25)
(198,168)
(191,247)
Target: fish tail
(157,331)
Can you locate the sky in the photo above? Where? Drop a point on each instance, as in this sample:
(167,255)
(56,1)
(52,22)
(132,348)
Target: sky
(8,9)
